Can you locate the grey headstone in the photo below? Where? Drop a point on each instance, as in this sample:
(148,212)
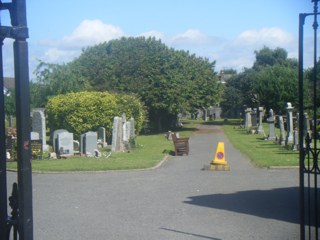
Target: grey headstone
(76,146)
(54,137)
(90,143)
(117,135)
(39,126)
(289,138)
(248,122)
(260,126)
(81,144)
(65,144)
(133,140)
(271,120)
(254,116)
(282,134)
(102,134)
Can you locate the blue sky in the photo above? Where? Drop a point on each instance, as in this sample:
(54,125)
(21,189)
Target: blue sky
(225,31)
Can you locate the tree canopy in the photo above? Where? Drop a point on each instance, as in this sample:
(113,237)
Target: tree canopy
(271,82)
(168,81)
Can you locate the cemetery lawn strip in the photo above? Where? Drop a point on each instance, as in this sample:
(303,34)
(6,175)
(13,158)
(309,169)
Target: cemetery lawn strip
(262,153)
(151,149)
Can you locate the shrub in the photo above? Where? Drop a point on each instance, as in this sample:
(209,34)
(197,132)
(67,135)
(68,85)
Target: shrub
(87,111)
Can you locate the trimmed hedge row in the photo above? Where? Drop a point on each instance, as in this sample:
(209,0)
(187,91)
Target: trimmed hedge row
(87,111)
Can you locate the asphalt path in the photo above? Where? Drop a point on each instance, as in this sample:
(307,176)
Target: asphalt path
(175,201)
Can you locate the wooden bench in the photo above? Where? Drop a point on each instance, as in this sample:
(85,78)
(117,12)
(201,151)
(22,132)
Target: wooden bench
(181,145)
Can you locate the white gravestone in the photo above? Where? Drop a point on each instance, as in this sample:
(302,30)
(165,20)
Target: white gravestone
(289,138)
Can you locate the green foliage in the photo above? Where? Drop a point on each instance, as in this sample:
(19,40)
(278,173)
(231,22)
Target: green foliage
(311,80)
(10,103)
(275,86)
(167,81)
(271,83)
(269,57)
(132,107)
(238,93)
(54,79)
(87,111)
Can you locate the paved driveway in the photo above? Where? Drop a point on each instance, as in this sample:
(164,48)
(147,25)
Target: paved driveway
(175,201)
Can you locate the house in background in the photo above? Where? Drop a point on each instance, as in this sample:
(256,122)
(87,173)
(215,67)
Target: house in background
(8,83)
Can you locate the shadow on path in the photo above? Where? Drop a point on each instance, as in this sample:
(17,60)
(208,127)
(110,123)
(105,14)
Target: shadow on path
(279,204)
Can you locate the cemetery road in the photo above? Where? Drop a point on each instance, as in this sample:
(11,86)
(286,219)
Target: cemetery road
(176,201)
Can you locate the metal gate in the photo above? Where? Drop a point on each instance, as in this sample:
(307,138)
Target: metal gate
(309,139)
(19,224)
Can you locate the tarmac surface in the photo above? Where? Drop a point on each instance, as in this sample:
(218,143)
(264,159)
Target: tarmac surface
(176,201)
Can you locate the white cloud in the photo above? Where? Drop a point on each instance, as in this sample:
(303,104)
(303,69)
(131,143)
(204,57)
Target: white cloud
(191,36)
(91,32)
(237,53)
(87,33)
(272,37)
(55,55)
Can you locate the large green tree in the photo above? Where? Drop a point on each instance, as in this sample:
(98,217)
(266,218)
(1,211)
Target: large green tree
(168,81)
(312,94)
(271,82)
(55,79)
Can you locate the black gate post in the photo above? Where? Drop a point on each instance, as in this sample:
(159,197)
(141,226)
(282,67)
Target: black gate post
(25,220)
(308,141)
(21,219)
(301,127)
(3,173)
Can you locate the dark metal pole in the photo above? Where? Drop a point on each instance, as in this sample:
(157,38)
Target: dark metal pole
(25,221)
(301,127)
(3,173)
(315,159)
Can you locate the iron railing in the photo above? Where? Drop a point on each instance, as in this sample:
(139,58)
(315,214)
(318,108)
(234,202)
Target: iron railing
(308,141)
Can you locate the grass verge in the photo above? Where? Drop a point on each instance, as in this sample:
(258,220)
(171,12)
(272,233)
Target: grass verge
(263,153)
(151,149)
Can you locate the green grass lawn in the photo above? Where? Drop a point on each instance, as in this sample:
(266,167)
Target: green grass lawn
(263,153)
(151,149)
